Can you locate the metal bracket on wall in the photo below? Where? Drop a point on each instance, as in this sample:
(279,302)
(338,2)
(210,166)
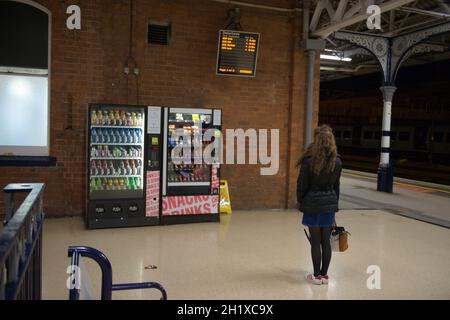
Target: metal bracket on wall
(313,44)
(233,21)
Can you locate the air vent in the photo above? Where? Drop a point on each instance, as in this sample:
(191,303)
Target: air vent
(159,33)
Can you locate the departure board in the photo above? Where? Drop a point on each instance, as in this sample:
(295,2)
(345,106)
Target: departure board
(238,53)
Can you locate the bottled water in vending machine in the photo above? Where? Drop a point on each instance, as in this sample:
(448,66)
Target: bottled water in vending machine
(94,136)
(138,167)
(118,137)
(106,136)
(129,137)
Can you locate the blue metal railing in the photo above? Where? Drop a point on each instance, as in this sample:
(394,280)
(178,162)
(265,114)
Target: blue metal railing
(20,244)
(105,266)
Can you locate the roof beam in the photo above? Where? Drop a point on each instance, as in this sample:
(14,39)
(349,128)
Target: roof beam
(353,10)
(420,24)
(321,5)
(339,14)
(444,6)
(361,16)
(425,12)
(391,20)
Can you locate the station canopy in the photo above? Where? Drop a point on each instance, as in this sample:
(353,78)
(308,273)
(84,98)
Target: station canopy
(398,17)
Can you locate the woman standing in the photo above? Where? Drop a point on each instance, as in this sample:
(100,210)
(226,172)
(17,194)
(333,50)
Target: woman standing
(318,196)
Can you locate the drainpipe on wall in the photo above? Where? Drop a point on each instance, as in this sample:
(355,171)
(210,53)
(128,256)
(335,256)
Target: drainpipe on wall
(305,29)
(311,46)
(309,97)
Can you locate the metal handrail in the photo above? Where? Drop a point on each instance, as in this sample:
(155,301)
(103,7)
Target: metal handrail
(108,287)
(20,244)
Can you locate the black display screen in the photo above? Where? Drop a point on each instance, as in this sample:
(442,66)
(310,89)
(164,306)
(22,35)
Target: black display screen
(238,53)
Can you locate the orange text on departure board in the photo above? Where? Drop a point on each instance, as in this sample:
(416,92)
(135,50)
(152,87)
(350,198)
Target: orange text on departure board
(227,43)
(250,45)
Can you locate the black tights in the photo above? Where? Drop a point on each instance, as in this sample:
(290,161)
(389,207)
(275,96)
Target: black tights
(320,237)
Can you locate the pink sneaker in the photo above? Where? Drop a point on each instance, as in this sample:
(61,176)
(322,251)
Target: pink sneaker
(312,279)
(324,279)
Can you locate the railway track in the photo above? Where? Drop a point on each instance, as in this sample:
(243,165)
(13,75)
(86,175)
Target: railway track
(404,168)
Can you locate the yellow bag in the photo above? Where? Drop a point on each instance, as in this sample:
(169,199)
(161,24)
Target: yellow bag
(339,239)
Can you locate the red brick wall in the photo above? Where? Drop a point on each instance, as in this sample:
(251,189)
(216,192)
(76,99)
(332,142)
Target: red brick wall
(87,68)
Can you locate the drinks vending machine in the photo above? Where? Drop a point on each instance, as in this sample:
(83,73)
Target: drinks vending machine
(133,179)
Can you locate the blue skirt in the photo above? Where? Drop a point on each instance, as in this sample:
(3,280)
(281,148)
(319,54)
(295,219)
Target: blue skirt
(319,220)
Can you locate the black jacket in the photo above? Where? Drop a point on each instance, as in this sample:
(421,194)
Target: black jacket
(318,193)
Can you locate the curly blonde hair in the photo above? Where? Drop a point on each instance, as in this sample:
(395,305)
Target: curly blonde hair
(322,150)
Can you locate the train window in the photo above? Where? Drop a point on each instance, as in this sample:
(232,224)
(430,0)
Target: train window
(368,135)
(393,135)
(377,135)
(404,136)
(438,137)
(338,134)
(347,134)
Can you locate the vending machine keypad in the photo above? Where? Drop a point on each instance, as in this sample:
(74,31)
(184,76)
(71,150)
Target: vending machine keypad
(154,163)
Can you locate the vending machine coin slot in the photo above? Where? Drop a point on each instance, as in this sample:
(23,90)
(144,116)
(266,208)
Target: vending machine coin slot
(116,209)
(99,210)
(133,208)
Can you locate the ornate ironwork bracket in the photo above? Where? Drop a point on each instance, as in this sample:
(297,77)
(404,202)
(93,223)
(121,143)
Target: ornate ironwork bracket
(392,52)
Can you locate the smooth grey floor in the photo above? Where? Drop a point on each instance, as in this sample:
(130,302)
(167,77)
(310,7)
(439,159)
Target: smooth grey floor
(264,254)
(258,255)
(418,202)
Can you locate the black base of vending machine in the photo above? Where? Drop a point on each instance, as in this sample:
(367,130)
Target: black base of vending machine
(190,219)
(118,213)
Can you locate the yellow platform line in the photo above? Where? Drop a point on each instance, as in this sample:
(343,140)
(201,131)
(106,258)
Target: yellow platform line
(398,183)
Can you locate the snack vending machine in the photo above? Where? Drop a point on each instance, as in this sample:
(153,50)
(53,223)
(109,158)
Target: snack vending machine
(190,184)
(133,178)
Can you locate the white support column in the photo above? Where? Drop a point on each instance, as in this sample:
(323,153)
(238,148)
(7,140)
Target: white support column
(386,128)
(388,93)
(385,174)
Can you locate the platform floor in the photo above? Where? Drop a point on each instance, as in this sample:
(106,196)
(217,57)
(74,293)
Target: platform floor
(259,255)
(264,254)
(418,200)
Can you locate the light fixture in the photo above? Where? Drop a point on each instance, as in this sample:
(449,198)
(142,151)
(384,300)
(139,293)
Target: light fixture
(20,87)
(335,58)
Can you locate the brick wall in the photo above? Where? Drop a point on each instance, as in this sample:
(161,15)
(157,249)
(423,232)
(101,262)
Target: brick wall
(87,68)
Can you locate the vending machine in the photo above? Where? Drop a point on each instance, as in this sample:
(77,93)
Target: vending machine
(190,183)
(147,165)
(116,167)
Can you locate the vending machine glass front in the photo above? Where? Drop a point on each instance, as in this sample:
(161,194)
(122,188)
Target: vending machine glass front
(187,171)
(116,146)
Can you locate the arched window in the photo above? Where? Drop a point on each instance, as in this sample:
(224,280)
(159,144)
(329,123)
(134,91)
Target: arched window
(24,78)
